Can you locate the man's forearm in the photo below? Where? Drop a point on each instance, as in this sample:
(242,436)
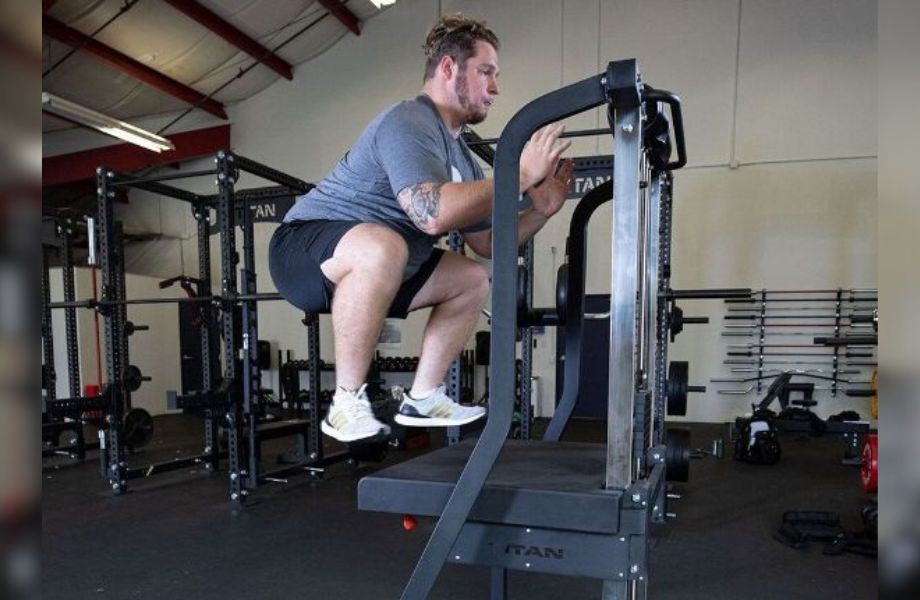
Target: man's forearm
(529,223)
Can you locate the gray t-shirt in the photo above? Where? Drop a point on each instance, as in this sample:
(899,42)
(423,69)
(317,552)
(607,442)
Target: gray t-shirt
(405,145)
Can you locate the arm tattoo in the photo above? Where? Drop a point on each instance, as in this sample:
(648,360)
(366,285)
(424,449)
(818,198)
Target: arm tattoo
(422,203)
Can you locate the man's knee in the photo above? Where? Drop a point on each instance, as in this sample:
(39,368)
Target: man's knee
(381,247)
(373,248)
(477,283)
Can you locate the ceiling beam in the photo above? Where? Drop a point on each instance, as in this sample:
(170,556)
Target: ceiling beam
(126,158)
(338,10)
(234,36)
(67,35)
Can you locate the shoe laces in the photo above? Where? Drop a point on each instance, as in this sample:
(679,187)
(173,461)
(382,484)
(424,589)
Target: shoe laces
(439,396)
(441,391)
(357,406)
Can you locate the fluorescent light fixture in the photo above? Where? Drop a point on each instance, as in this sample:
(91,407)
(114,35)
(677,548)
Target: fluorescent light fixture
(381,3)
(104,123)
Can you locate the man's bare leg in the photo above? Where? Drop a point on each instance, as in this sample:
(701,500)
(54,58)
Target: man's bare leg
(367,268)
(457,289)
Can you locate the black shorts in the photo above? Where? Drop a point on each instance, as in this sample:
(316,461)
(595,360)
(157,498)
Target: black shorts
(296,251)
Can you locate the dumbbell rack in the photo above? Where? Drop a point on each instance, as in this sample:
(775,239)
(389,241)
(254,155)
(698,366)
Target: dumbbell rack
(781,325)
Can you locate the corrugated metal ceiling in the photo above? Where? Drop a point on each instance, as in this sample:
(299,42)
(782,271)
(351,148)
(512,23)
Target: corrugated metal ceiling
(161,37)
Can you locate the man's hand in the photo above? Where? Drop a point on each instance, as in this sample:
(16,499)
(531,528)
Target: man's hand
(549,196)
(541,154)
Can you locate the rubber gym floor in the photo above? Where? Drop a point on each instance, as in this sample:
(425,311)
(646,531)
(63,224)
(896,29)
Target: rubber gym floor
(177,536)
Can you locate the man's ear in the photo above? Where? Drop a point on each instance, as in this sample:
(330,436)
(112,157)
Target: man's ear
(447,66)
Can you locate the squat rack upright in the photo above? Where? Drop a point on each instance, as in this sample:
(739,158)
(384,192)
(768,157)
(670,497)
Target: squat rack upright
(54,422)
(235,399)
(230,399)
(113,307)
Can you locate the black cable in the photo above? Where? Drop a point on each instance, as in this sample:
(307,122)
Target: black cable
(125,7)
(242,72)
(239,75)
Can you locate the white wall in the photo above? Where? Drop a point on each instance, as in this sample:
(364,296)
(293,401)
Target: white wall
(779,107)
(58,328)
(155,351)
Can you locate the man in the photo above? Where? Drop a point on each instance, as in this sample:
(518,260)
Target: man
(362,240)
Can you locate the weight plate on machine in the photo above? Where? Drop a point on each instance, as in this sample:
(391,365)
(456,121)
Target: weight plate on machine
(562,289)
(677,455)
(678,382)
(133,378)
(138,427)
(675,321)
(522,277)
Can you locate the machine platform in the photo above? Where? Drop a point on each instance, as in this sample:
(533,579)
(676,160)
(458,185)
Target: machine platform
(533,483)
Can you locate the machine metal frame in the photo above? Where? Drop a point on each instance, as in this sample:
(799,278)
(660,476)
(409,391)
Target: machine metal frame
(538,511)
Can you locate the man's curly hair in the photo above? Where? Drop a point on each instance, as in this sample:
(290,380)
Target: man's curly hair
(455,36)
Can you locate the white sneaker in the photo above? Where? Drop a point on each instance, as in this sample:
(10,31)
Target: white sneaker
(350,417)
(437,410)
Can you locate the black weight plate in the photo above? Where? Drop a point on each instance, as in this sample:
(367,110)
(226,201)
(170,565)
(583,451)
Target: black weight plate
(133,378)
(562,289)
(678,381)
(522,288)
(677,455)
(675,321)
(138,427)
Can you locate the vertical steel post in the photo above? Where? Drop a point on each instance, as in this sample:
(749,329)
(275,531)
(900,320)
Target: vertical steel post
(455,243)
(527,348)
(49,375)
(315,437)
(122,318)
(250,324)
(650,340)
(837,305)
(70,313)
(228,261)
(623,371)
(662,188)
(202,215)
(762,319)
(641,405)
(110,257)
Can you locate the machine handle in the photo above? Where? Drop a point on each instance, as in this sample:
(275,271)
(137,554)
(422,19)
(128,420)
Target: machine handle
(673,101)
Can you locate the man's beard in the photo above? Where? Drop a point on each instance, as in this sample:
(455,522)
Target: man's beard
(473,117)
